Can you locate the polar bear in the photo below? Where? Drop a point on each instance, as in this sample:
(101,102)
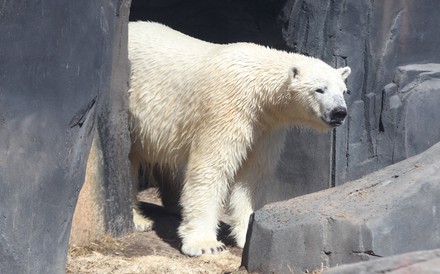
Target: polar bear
(220,113)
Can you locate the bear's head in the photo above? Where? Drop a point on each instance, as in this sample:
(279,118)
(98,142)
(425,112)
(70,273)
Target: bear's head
(318,92)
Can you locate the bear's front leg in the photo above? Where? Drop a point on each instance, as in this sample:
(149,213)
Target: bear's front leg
(209,171)
(255,175)
(201,203)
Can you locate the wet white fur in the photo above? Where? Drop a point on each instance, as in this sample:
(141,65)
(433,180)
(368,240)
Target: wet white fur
(222,111)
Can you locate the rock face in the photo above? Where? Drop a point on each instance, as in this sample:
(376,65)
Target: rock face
(391,211)
(64,73)
(379,40)
(414,262)
(409,112)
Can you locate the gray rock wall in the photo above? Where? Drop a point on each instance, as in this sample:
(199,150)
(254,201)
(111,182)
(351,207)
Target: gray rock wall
(409,112)
(374,38)
(63,72)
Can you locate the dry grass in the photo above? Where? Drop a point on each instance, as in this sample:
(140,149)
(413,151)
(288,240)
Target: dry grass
(96,262)
(142,253)
(154,252)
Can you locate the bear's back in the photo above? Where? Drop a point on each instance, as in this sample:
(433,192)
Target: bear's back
(180,85)
(153,40)
(164,108)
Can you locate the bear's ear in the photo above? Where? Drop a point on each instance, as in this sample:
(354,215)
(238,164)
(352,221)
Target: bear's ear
(344,72)
(293,72)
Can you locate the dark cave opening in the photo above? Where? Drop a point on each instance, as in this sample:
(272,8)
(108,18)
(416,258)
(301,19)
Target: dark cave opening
(257,21)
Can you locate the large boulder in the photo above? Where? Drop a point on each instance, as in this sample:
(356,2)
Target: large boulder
(409,111)
(391,211)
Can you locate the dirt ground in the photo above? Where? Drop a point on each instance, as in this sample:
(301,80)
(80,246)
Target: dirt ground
(154,252)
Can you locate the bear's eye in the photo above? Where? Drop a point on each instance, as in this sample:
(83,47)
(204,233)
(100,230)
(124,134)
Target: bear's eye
(319,90)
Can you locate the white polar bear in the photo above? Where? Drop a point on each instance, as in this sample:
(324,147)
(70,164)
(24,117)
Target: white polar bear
(221,111)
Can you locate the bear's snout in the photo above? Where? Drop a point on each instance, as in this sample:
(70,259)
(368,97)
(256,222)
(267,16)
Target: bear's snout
(338,115)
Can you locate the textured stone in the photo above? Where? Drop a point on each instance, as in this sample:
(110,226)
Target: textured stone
(409,111)
(374,38)
(63,73)
(413,262)
(391,211)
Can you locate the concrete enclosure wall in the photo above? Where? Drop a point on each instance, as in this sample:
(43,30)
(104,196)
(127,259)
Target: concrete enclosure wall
(63,75)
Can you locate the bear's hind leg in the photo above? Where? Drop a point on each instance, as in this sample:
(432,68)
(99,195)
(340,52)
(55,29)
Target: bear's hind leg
(169,182)
(141,223)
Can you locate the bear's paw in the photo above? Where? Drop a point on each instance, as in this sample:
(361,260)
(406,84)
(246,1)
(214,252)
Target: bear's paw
(141,223)
(202,247)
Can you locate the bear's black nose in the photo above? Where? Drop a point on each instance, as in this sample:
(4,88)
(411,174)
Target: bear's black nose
(338,114)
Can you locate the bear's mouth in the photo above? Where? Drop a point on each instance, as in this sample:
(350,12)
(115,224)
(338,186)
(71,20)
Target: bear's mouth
(336,123)
(335,117)
(332,123)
